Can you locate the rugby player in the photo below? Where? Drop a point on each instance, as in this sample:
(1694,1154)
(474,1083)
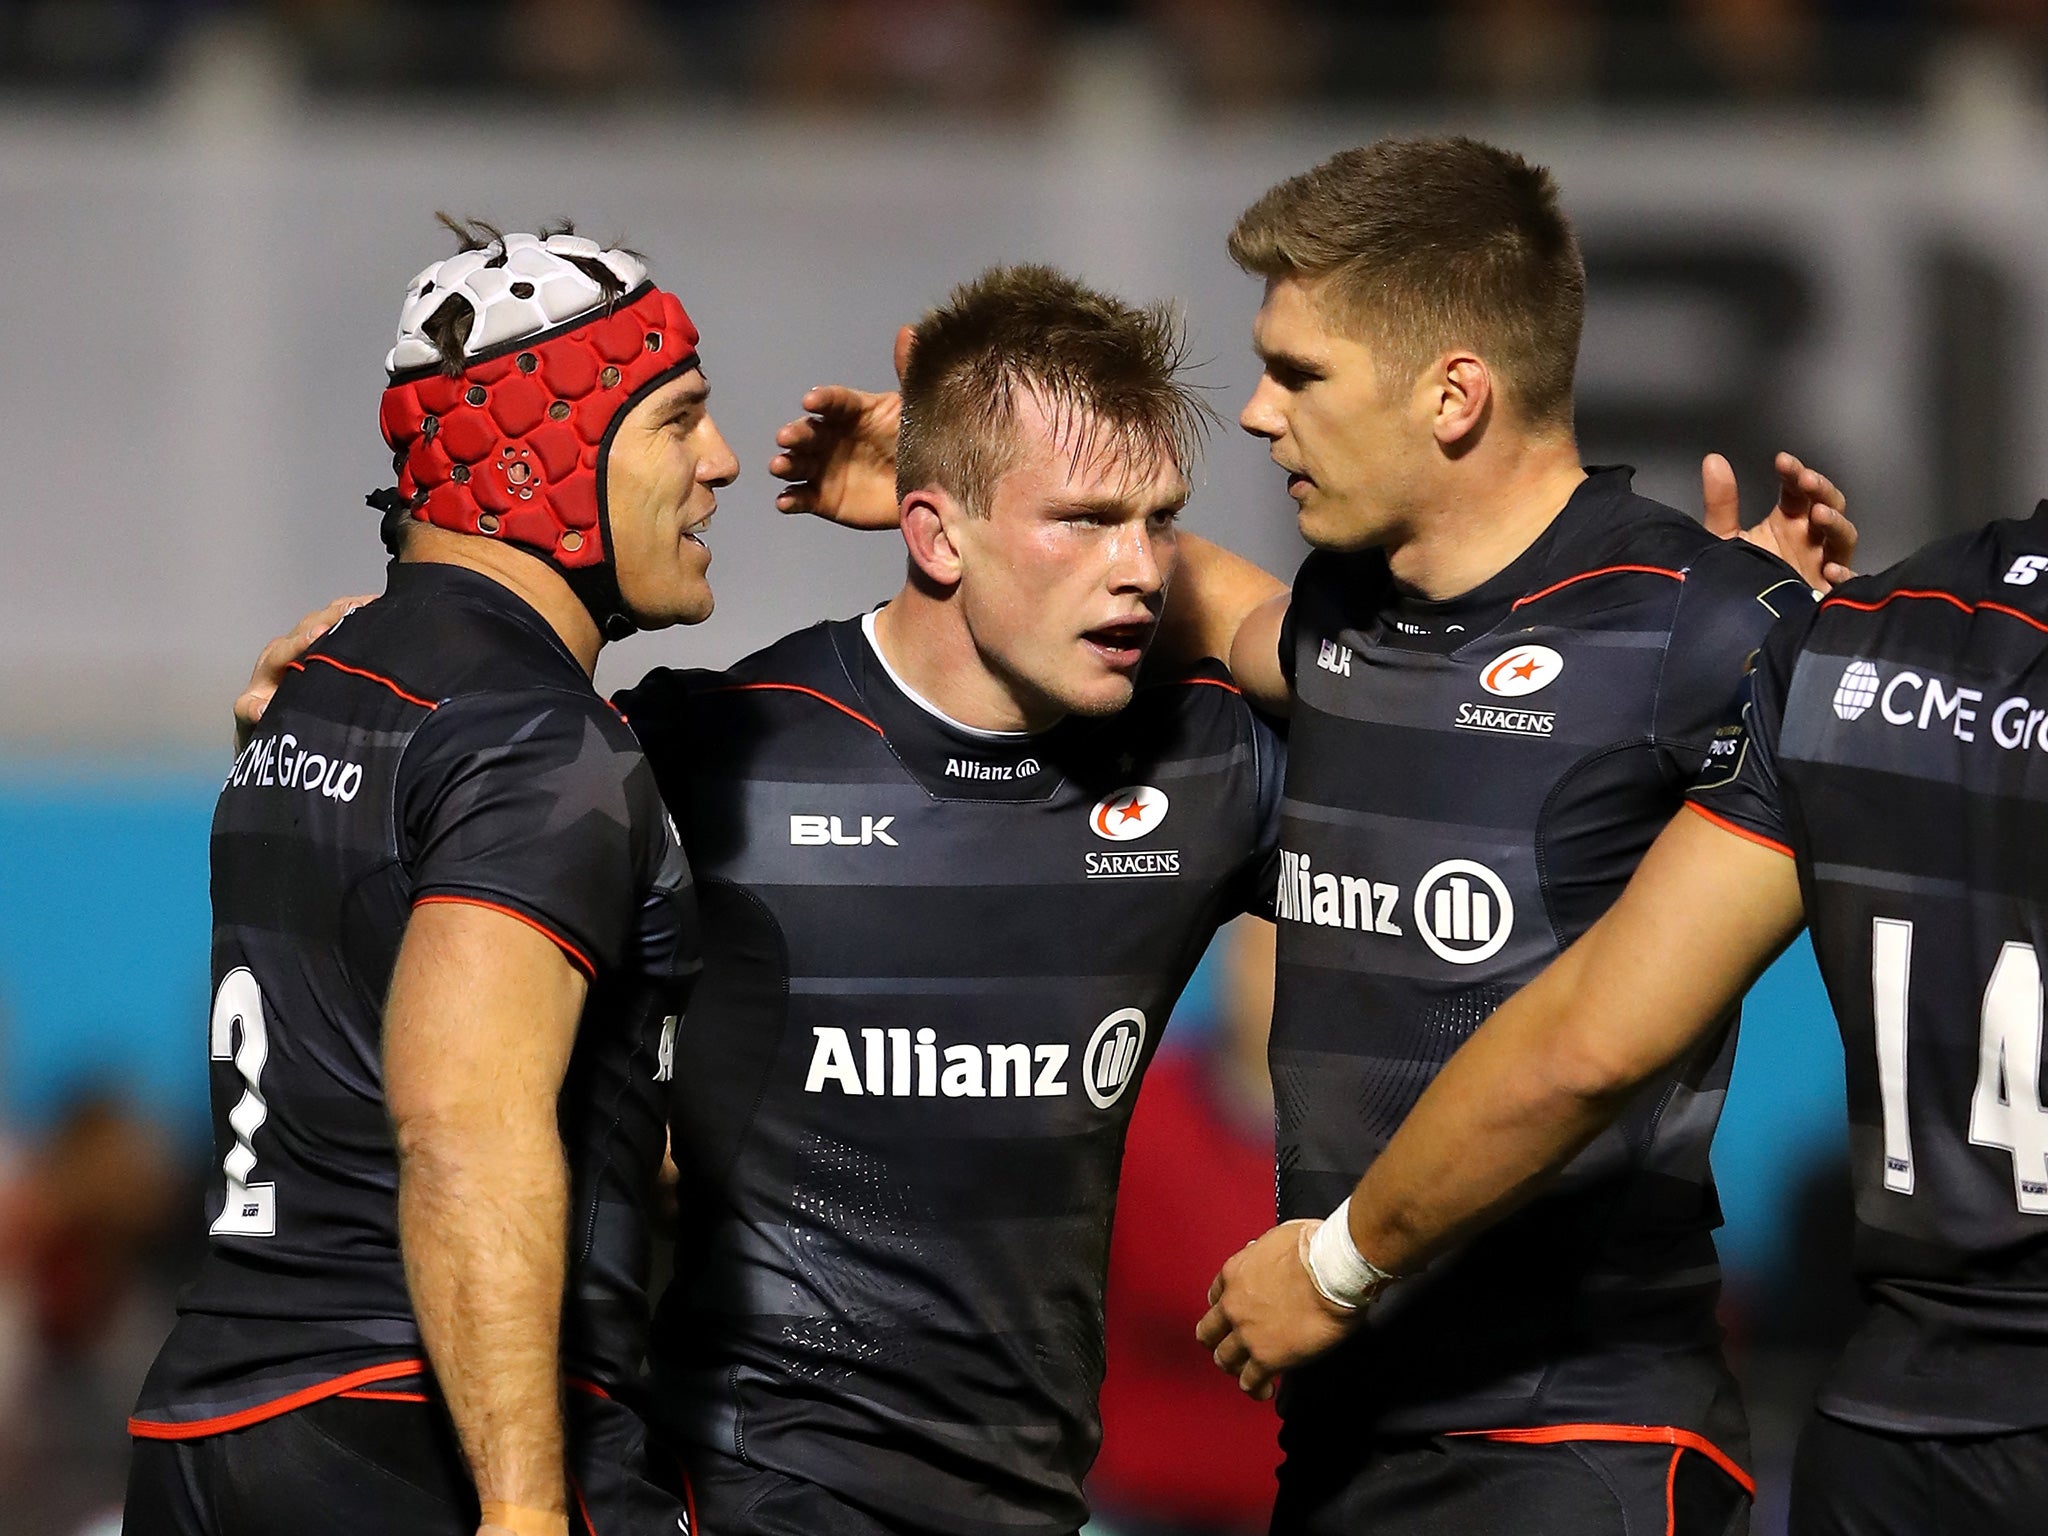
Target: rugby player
(452,933)
(1887,785)
(956,864)
(1504,671)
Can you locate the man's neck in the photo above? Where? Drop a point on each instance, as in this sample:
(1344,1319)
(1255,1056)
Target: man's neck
(926,644)
(1489,515)
(536,583)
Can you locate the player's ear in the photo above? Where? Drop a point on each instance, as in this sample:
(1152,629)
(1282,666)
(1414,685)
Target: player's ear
(1457,393)
(930,517)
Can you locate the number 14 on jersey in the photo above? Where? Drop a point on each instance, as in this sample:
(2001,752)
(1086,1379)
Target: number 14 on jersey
(2005,1109)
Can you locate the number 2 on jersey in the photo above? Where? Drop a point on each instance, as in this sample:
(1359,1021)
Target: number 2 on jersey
(250,1209)
(2005,1110)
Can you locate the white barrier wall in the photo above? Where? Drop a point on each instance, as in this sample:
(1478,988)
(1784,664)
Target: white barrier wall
(195,306)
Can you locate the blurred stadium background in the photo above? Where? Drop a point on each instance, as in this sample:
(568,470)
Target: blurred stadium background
(1809,223)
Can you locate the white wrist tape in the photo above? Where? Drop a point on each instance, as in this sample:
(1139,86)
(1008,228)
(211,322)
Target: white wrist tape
(1346,1277)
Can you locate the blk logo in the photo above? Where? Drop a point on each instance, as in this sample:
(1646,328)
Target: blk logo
(1857,690)
(1332,657)
(1111,1060)
(1128,813)
(824,831)
(1525,669)
(1464,912)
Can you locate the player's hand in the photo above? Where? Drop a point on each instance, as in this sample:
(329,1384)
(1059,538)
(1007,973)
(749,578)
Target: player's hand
(840,459)
(1266,1315)
(279,654)
(1809,528)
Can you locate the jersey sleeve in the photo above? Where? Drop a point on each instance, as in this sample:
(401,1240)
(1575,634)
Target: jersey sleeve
(528,803)
(1738,788)
(1312,570)
(1733,594)
(1260,883)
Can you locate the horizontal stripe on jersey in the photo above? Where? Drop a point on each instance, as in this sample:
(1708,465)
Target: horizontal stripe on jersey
(937,965)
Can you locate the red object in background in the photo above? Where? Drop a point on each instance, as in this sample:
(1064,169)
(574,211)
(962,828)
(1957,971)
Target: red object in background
(1181,1445)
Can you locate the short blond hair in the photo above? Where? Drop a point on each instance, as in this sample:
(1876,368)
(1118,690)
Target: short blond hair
(1109,374)
(1427,244)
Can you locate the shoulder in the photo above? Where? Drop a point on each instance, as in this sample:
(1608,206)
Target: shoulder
(442,651)
(1203,695)
(792,696)
(802,680)
(1198,713)
(527,724)
(2004,561)
(1695,575)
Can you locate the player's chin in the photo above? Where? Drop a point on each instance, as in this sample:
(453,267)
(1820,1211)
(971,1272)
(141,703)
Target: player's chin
(686,600)
(1324,528)
(1102,693)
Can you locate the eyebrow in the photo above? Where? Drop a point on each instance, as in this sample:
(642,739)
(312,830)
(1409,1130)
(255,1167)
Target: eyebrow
(1113,506)
(1280,356)
(689,399)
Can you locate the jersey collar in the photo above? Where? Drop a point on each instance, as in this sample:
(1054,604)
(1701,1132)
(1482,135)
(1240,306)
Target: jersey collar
(951,760)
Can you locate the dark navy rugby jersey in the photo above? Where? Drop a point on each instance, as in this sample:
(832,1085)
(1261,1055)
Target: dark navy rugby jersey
(1897,743)
(1469,786)
(937,965)
(439,745)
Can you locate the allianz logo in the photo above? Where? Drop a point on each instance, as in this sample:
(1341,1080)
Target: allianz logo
(1309,895)
(968,768)
(1924,702)
(904,1063)
(277,761)
(1463,911)
(831,831)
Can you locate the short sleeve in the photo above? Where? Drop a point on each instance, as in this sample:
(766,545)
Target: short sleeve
(1733,594)
(527,803)
(1269,753)
(1738,788)
(1309,579)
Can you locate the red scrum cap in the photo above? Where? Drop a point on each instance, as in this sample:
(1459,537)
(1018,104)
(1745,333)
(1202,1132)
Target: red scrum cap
(514,447)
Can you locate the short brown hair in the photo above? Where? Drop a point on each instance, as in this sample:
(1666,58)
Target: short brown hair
(1107,373)
(1429,244)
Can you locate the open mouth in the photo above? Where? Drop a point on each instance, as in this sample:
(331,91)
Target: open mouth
(695,532)
(1121,645)
(1297,482)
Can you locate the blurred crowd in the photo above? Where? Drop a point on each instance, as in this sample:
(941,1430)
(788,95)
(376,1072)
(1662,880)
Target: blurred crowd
(96,1234)
(1011,56)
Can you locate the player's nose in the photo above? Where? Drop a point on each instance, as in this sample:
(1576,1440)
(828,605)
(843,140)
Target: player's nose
(1141,563)
(719,465)
(1261,415)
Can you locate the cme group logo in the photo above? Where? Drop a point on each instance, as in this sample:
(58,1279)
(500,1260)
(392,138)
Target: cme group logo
(1857,690)
(1523,670)
(1128,813)
(1111,1060)
(1463,912)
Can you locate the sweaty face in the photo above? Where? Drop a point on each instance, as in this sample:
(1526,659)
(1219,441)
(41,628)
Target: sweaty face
(661,481)
(1062,582)
(1352,448)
